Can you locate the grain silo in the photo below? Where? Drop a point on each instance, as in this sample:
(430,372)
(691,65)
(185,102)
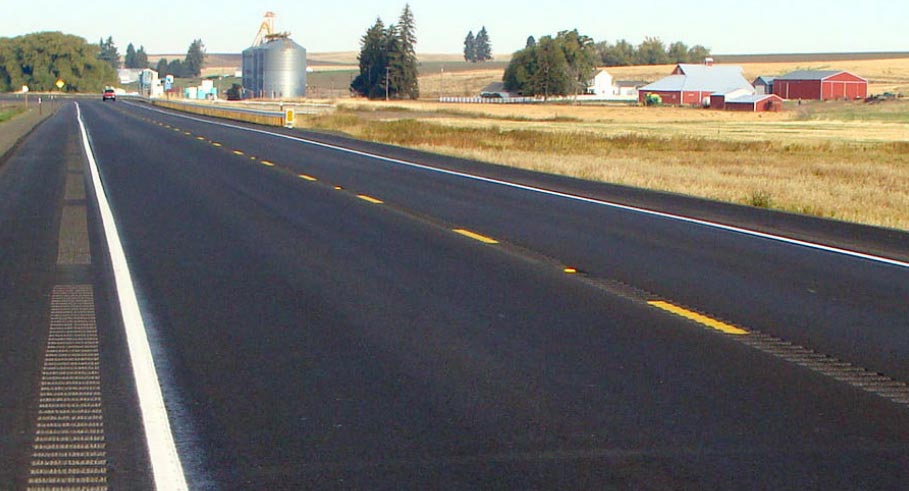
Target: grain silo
(274,67)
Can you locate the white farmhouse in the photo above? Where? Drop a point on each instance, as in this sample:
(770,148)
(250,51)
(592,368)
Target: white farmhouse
(602,85)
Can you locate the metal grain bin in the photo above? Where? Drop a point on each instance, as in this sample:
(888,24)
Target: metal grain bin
(276,69)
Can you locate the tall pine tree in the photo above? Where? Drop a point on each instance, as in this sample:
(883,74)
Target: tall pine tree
(388,60)
(470,48)
(195,59)
(409,72)
(108,53)
(141,58)
(483,48)
(373,60)
(129,61)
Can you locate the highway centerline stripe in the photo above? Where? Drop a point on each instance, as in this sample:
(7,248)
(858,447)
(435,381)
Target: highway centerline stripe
(308,178)
(237,152)
(267,163)
(699,318)
(475,236)
(370,199)
(167,470)
(549,192)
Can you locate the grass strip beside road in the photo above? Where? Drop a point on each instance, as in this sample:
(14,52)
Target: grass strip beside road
(857,181)
(7,113)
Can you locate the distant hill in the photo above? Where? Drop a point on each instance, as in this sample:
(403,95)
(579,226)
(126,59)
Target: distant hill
(810,57)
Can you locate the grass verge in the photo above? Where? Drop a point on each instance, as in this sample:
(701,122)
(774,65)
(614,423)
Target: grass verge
(864,182)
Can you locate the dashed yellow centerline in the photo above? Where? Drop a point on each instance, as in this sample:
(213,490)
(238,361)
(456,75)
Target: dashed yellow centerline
(475,236)
(267,163)
(200,138)
(308,178)
(237,152)
(370,199)
(699,318)
(215,144)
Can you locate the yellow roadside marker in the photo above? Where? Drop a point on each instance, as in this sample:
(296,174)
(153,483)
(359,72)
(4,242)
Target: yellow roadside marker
(699,318)
(475,236)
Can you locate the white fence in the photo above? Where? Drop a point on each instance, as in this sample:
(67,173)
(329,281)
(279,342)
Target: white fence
(490,100)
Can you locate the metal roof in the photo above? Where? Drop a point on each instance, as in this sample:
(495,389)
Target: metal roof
(766,80)
(750,99)
(703,78)
(810,74)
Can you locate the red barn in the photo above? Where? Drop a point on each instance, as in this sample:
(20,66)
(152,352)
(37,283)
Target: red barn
(693,84)
(820,85)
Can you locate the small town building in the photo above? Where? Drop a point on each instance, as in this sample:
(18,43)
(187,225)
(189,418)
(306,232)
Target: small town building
(763,85)
(693,84)
(820,85)
(755,103)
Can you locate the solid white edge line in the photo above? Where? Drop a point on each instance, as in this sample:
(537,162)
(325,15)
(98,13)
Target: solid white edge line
(645,211)
(166,467)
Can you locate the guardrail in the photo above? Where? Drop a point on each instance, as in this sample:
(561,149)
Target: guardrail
(268,118)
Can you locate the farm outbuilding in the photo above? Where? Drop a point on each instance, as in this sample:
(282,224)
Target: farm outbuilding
(694,84)
(820,85)
(757,103)
(763,85)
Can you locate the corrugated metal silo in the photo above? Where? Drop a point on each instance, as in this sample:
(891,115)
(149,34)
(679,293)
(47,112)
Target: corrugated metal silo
(276,69)
(283,69)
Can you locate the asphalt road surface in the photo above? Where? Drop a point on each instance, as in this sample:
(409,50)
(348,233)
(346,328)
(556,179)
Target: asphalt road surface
(325,319)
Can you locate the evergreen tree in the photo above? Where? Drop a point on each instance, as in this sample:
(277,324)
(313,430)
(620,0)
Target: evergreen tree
(141,58)
(470,48)
(483,47)
(373,61)
(531,42)
(161,67)
(108,52)
(195,59)
(409,71)
(129,61)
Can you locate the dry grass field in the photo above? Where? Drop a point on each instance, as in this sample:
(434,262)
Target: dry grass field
(841,160)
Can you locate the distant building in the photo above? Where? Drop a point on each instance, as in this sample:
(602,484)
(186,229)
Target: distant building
(820,85)
(763,85)
(601,85)
(693,84)
(718,99)
(128,75)
(756,103)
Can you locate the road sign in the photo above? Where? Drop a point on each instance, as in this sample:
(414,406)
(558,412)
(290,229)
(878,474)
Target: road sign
(60,84)
(289,118)
(25,89)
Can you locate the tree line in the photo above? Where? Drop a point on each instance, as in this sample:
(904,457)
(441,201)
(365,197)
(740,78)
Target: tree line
(190,66)
(564,64)
(39,60)
(388,60)
(559,65)
(651,51)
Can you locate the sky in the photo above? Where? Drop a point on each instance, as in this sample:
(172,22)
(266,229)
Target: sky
(229,26)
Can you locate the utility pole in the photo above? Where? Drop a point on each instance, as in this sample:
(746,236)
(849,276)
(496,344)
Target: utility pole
(441,71)
(386,84)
